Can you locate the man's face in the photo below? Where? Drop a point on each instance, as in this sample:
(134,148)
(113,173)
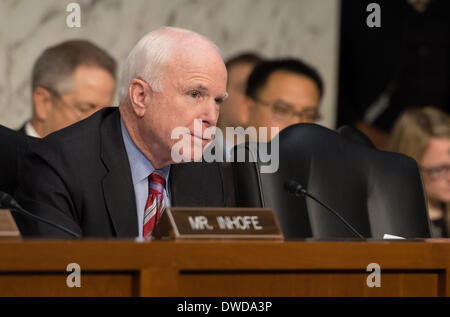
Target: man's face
(93,90)
(194,87)
(435,170)
(234,113)
(286,99)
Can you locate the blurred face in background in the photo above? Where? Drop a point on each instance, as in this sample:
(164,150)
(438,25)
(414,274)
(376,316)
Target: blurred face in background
(93,90)
(435,167)
(286,99)
(234,112)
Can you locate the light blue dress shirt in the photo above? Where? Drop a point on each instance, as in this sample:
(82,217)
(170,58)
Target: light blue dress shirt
(141,168)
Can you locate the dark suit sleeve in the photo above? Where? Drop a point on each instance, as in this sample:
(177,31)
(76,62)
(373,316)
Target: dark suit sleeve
(45,190)
(12,146)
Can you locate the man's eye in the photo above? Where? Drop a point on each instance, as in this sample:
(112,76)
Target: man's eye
(86,107)
(437,170)
(280,109)
(194,94)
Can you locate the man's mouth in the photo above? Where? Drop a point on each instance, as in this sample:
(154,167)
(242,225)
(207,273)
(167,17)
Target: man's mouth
(201,138)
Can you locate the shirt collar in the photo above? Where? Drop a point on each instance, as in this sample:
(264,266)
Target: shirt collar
(29,130)
(140,166)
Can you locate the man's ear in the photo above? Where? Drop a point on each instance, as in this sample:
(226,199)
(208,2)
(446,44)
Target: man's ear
(140,95)
(42,103)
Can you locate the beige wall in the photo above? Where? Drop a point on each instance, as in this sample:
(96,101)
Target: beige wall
(301,28)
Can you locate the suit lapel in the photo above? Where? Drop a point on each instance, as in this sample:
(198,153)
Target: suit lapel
(117,185)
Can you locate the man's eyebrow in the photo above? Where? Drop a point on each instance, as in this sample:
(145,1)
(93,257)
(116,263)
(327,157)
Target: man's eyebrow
(309,108)
(281,101)
(201,87)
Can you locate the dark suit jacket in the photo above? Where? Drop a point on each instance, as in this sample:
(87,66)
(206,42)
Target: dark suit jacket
(12,147)
(80,177)
(22,129)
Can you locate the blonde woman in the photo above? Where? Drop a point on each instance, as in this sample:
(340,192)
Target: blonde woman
(424,134)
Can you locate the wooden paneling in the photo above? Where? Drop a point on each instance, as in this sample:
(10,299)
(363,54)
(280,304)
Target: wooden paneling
(44,284)
(224,268)
(307,284)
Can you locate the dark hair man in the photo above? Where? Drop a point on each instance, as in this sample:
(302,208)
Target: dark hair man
(234,112)
(283,92)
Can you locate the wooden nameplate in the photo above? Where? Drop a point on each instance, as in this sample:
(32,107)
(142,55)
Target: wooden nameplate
(8,228)
(217,223)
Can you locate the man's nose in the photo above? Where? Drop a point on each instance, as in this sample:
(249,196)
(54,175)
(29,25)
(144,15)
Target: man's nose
(210,114)
(295,119)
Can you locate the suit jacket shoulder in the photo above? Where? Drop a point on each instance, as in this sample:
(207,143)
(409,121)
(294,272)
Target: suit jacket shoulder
(13,145)
(22,129)
(67,177)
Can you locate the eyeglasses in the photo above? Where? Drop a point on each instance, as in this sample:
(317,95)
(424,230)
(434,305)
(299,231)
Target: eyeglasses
(436,172)
(82,110)
(284,111)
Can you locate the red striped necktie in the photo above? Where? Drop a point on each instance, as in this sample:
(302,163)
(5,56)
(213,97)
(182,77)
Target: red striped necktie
(155,203)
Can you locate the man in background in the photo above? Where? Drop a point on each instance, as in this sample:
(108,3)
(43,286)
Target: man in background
(283,92)
(70,81)
(234,111)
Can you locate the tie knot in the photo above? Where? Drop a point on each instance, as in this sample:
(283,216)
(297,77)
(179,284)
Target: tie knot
(156,182)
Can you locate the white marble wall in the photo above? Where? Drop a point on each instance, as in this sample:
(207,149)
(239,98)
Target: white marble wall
(302,28)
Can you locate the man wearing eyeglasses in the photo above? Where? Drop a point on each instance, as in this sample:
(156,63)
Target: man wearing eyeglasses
(70,81)
(283,92)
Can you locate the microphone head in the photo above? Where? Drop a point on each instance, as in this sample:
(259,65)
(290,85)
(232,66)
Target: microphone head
(6,201)
(293,187)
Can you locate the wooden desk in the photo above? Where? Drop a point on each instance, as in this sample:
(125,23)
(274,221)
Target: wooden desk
(224,268)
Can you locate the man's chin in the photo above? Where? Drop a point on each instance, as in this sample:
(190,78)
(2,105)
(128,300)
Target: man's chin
(195,155)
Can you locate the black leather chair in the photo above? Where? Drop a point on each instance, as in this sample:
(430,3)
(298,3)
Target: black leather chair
(355,135)
(376,192)
(13,145)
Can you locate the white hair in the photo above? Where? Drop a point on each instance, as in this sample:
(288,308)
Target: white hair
(149,57)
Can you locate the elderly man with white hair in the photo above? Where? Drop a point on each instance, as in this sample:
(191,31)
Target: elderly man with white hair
(113,174)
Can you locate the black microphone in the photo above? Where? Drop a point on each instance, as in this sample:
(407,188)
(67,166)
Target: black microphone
(297,189)
(6,201)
